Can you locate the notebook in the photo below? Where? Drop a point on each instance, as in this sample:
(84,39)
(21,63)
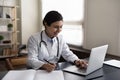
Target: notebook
(96,60)
(33,75)
(113,62)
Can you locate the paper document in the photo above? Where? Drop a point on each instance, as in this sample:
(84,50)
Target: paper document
(113,62)
(34,75)
(54,75)
(20,75)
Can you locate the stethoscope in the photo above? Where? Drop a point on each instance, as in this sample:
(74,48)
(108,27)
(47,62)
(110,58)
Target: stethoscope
(42,41)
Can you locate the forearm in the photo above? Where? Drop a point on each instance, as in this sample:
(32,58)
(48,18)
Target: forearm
(34,63)
(69,56)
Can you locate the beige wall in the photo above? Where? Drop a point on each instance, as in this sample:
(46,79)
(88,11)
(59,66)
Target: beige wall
(30,19)
(102,24)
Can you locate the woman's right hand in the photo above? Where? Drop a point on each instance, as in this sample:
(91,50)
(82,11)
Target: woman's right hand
(49,66)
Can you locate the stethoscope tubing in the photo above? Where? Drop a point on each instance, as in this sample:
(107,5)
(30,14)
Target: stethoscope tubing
(42,41)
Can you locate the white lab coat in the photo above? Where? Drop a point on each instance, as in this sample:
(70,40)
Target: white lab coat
(37,54)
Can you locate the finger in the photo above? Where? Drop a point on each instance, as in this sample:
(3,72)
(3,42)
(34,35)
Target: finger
(84,65)
(78,63)
(50,69)
(53,66)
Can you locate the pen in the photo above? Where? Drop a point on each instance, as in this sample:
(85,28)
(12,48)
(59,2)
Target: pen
(57,67)
(48,61)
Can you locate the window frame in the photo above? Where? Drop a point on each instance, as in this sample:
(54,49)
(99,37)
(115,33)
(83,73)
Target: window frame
(78,22)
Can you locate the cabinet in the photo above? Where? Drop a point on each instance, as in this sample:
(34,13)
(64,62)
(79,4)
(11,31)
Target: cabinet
(8,17)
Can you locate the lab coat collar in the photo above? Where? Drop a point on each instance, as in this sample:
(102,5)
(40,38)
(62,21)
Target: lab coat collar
(46,38)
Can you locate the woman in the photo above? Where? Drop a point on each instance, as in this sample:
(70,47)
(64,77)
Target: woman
(46,47)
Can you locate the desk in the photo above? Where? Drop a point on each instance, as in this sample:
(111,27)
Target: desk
(109,73)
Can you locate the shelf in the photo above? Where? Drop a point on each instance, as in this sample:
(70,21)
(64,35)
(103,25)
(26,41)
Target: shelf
(7,6)
(9,15)
(6,44)
(8,19)
(9,31)
(6,31)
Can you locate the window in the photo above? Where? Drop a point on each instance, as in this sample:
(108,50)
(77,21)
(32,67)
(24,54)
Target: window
(72,12)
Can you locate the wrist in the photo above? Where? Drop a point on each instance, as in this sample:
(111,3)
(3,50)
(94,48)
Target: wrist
(77,62)
(44,66)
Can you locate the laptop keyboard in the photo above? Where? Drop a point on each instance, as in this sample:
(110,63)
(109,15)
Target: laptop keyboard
(83,70)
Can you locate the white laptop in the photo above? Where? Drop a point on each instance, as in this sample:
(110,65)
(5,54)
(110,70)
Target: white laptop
(95,62)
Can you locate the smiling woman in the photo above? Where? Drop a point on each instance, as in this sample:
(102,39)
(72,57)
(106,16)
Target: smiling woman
(46,47)
(73,18)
